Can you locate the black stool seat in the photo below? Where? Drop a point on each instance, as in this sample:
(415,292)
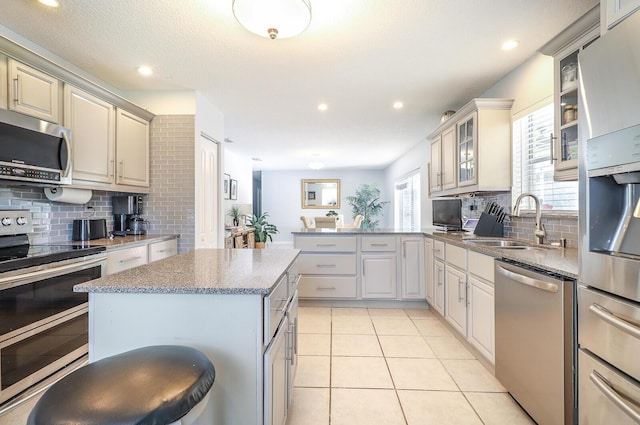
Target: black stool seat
(149,386)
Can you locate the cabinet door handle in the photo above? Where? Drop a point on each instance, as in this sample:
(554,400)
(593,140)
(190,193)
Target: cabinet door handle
(326,288)
(112,168)
(326,265)
(460,298)
(552,152)
(128,260)
(16,86)
(325,244)
(121,169)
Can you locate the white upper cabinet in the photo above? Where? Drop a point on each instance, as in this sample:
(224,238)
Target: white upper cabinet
(132,150)
(474,149)
(567,110)
(92,124)
(32,92)
(615,11)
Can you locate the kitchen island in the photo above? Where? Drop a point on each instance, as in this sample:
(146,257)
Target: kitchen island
(215,300)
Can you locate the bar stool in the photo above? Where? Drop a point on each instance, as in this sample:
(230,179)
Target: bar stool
(159,385)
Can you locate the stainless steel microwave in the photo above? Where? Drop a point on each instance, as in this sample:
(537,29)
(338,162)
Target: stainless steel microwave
(33,151)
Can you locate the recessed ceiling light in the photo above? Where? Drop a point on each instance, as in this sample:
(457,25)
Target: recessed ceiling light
(316,165)
(510,44)
(323,107)
(398,105)
(145,70)
(50,3)
(256,159)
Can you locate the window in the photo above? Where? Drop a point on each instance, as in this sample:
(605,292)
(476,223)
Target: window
(532,167)
(407,202)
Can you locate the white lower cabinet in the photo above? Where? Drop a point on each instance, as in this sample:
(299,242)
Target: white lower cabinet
(275,378)
(161,250)
(412,272)
(379,276)
(128,258)
(428,271)
(481,317)
(439,287)
(456,299)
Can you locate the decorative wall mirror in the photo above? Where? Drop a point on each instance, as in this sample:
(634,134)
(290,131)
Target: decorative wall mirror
(321,193)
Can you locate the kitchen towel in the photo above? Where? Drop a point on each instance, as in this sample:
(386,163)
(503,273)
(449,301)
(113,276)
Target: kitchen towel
(68,195)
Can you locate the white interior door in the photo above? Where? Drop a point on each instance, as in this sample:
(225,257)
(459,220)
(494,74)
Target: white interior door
(207,194)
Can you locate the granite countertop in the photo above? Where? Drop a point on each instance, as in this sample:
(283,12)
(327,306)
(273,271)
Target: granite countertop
(129,241)
(203,271)
(563,261)
(355,231)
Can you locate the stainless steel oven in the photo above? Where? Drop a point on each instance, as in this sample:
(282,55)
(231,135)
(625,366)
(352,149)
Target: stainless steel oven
(43,322)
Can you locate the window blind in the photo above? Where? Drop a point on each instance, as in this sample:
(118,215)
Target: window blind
(407,202)
(532,167)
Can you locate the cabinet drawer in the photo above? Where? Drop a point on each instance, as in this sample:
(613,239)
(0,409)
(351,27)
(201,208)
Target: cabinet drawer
(327,287)
(438,249)
(335,264)
(164,249)
(456,256)
(274,308)
(124,259)
(481,265)
(326,244)
(378,243)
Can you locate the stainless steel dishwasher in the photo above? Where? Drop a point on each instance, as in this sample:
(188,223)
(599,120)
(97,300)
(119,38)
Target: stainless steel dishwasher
(536,341)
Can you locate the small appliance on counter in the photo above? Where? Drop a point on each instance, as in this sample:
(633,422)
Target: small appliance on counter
(126,215)
(86,229)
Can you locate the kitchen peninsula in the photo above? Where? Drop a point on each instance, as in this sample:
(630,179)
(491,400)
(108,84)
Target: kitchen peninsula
(226,303)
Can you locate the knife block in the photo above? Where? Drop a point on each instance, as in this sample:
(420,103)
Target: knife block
(488,226)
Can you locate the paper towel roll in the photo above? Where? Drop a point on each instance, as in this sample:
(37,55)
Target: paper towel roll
(68,195)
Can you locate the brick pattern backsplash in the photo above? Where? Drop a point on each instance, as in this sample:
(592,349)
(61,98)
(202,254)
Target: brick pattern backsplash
(53,221)
(170,206)
(556,226)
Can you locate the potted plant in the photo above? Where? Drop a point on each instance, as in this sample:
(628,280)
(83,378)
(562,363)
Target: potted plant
(262,229)
(332,213)
(235,213)
(366,203)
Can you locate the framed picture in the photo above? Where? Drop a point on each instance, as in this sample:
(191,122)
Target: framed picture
(311,196)
(226,186)
(234,189)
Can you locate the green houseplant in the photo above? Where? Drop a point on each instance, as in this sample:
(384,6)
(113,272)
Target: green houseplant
(366,202)
(235,213)
(262,229)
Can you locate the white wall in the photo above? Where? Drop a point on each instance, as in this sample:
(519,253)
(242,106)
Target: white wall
(239,167)
(417,158)
(529,84)
(282,196)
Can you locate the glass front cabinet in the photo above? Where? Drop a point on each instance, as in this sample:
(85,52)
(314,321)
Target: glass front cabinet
(564,140)
(466,142)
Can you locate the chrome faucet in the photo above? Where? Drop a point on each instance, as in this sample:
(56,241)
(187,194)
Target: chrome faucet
(540,232)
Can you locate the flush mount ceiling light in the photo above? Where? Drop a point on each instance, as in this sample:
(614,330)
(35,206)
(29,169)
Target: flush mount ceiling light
(316,165)
(273,18)
(398,105)
(323,107)
(50,3)
(510,44)
(145,70)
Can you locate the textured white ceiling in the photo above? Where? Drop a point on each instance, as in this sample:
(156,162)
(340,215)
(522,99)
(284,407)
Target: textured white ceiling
(359,56)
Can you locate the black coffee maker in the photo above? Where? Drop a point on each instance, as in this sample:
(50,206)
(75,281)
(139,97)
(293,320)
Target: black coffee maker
(126,215)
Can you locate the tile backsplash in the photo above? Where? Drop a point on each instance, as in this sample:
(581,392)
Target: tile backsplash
(557,226)
(53,221)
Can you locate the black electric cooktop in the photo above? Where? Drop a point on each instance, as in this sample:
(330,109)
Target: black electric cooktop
(15,254)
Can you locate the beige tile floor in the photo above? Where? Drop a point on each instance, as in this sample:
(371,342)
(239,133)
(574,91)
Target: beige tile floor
(391,366)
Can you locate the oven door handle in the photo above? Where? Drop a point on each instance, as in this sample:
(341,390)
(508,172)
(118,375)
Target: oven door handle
(615,321)
(601,383)
(11,281)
